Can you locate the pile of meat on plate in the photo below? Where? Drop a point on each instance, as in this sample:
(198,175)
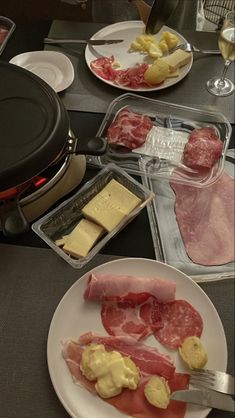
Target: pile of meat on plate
(131,309)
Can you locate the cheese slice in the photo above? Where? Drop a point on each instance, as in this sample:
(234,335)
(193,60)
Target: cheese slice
(177,59)
(82,238)
(111,205)
(61,241)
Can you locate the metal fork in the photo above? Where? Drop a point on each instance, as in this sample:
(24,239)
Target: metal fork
(211,379)
(187,47)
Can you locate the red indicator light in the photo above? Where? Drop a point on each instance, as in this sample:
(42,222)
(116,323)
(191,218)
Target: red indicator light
(40,181)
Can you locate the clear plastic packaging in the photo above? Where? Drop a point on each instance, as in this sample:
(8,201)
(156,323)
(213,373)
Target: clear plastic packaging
(7,27)
(62,220)
(172,125)
(168,243)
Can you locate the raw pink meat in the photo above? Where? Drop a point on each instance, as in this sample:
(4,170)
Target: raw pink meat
(129,129)
(147,358)
(203,149)
(205,218)
(122,288)
(130,402)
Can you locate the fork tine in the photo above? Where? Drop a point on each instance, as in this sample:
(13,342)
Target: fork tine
(180,46)
(216,380)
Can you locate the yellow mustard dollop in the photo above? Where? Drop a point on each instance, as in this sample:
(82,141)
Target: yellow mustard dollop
(193,353)
(110,369)
(157,392)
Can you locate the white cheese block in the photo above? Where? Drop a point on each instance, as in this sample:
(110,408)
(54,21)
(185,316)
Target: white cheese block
(111,205)
(177,59)
(83,237)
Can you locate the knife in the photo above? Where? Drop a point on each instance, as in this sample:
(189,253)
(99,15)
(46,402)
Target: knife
(160,13)
(82,41)
(208,398)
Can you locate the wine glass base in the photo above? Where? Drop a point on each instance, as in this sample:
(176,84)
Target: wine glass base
(215,87)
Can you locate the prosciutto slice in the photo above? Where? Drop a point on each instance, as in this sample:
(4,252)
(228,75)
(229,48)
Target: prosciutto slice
(132,289)
(129,129)
(147,358)
(130,402)
(205,218)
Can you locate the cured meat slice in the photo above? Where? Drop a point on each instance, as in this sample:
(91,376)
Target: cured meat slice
(129,129)
(131,402)
(205,218)
(132,77)
(179,320)
(203,149)
(123,319)
(147,358)
(135,404)
(103,67)
(124,288)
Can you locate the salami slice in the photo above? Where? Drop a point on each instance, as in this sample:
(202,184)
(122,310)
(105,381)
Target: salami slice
(179,321)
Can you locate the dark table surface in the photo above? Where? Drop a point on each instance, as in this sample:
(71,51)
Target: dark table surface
(33,280)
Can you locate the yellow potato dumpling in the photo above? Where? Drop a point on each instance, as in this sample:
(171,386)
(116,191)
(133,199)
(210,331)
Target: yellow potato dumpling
(193,353)
(157,72)
(146,44)
(163,46)
(170,39)
(157,392)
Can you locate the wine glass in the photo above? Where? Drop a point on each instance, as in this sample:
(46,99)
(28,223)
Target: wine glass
(221,86)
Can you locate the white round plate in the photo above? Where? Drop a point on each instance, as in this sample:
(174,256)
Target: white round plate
(74,316)
(128,31)
(53,67)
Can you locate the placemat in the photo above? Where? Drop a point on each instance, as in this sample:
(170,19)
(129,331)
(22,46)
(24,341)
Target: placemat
(89,94)
(32,283)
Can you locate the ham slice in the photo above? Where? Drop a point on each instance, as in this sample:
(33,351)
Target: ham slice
(131,402)
(123,288)
(205,218)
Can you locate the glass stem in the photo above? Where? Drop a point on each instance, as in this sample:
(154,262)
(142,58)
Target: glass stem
(226,65)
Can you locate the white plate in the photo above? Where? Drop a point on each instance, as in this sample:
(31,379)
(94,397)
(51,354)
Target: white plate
(128,31)
(53,67)
(74,317)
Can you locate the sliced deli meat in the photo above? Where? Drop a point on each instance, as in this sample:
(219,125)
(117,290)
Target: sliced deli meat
(129,129)
(205,218)
(148,359)
(131,402)
(106,68)
(203,149)
(124,288)
(179,320)
(169,322)
(124,319)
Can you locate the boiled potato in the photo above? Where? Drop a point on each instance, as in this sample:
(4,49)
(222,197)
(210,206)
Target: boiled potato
(170,39)
(157,392)
(193,353)
(157,72)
